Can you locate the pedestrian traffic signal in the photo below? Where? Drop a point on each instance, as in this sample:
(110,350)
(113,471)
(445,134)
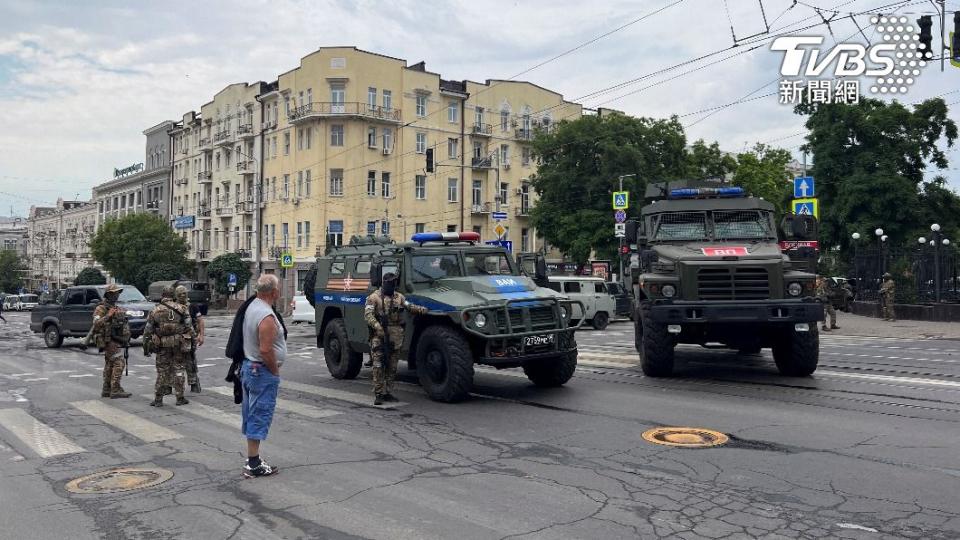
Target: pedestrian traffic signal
(429,159)
(624,250)
(925,47)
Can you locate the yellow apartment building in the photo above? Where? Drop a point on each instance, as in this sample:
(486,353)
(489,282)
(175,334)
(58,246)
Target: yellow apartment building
(345,137)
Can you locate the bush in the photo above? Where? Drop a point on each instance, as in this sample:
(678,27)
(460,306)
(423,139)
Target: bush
(221,267)
(90,276)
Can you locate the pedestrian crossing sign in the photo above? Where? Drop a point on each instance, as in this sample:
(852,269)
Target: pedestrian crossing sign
(621,200)
(807,207)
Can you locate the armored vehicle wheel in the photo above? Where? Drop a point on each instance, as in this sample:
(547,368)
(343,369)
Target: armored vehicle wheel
(600,320)
(342,362)
(444,364)
(656,354)
(797,353)
(556,371)
(52,337)
(637,332)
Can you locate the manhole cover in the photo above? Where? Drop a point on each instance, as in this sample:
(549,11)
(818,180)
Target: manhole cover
(117,480)
(686,437)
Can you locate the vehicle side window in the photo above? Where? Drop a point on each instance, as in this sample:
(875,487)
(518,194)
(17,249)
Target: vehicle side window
(363,268)
(92,296)
(554,285)
(600,288)
(572,286)
(336,268)
(75,298)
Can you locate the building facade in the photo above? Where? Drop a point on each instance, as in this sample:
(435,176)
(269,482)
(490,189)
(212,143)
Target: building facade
(58,243)
(13,235)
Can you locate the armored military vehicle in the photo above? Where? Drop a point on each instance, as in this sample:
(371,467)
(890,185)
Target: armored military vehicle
(707,269)
(482,311)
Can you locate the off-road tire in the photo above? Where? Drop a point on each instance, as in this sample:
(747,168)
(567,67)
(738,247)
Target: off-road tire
(600,320)
(656,355)
(444,364)
(52,337)
(342,362)
(556,371)
(797,353)
(637,331)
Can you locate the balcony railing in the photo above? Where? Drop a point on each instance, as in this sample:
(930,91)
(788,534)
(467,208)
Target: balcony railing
(269,124)
(480,208)
(224,210)
(245,166)
(524,134)
(205,143)
(244,207)
(223,138)
(203,176)
(325,110)
(485,130)
(244,253)
(522,211)
(246,130)
(203,210)
(203,253)
(181,181)
(480,163)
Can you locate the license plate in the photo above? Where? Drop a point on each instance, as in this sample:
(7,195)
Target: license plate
(532,341)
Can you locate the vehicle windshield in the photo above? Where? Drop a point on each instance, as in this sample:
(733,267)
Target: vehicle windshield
(713,225)
(740,224)
(487,264)
(28,298)
(680,226)
(130,294)
(429,268)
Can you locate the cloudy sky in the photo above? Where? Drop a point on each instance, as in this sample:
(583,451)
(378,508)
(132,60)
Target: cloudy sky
(79,85)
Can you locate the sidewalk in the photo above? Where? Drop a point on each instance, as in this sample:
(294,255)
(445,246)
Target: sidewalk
(856,325)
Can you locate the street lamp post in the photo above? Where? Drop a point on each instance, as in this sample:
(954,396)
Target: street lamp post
(880,239)
(936,242)
(856,261)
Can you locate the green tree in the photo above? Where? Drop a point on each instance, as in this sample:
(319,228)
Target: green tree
(870,161)
(159,271)
(90,276)
(222,266)
(11,271)
(125,245)
(580,163)
(708,161)
(762,172)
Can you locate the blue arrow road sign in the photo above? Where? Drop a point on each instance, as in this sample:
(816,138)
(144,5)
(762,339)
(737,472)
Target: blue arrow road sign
(804,187)
(498,216)
(232,279)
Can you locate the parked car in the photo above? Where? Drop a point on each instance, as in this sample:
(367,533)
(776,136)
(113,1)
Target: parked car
(28,302)
(11,302)
(599,304)
(71,315)
(303,312)
(622,297)
(197,293)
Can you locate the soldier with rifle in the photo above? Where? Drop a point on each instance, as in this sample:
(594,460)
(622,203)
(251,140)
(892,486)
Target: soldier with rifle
(383,313)
(169,333)
(196,316)
(110,332)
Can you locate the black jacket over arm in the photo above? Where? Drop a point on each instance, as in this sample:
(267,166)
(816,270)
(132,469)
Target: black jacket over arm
(234,348)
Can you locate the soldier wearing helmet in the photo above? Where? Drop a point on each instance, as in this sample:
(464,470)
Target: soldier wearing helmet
(888,291)
(170,333)
(196,317)
(111,333)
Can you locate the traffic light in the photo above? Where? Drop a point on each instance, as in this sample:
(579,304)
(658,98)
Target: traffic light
(624,250)
(955,42)
(429,159)
(925,48)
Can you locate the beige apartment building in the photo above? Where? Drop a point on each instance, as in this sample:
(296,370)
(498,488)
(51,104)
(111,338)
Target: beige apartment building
(216,161)
(58,243)
(344,153)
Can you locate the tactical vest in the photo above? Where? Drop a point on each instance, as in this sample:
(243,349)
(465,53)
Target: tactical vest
(172,327)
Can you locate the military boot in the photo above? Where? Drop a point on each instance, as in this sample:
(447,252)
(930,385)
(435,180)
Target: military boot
(105,392)
(157,401)
(118,392)
(378,399)
(182,401)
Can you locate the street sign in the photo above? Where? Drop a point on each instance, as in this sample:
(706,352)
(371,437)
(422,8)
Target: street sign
(498,216)
(620,216)
(500,230)
(804,187)
(286,260)
(807,207)
(621,200)
(502,243)
(232,279)
(620,230)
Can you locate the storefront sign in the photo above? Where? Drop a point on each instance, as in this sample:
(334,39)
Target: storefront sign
(132,169)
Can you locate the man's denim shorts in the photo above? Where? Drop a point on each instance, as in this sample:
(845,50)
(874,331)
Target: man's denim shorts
(259,399)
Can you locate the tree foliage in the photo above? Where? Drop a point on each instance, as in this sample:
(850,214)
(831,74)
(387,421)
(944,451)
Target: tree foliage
(870,161)
(762,172)
(580,165)
(125,245)
(11,271)
(708,161)
(90,276)
(159,271)
(222,266)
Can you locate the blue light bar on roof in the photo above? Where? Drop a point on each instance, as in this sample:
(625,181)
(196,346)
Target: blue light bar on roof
(445,237)
(701,193)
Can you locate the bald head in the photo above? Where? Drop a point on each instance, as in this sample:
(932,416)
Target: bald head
(267,284)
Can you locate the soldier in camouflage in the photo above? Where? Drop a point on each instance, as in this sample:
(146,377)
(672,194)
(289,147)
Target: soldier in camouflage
(169,332)
(888,291)
(196,318)
(824,297)
(387,303)
(111,333)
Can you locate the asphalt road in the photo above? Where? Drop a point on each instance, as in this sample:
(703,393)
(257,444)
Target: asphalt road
(866,448)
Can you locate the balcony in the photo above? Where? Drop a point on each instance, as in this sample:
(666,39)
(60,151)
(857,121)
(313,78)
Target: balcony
(225,211)
(244,207)
(276,252)
(522,211)
(181,181)
(204,177)
(203,210)
(245,131)
(311,111)
(223,138)
(203,253)
(480,162)
(269,124)
(179,211)
(478,209)
(205,144)
(482,130)
(524,134)
(245,167)
(244,253)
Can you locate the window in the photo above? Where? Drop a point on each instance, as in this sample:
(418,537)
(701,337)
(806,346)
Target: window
(478,116)
(421,106)
(306,234)
(299,184)
(286,105)
(451,228)
(338,266)
(504,191)
(273,234)
(524,240)
(419,227)
(371,228)
(385,228)
(299,234)
(306,182)
(429,268)
(452,195)
(286,143)
(571,287)
(273,149)
(285,194)
(372,137)
(285,232)
(371,183)
(387,99)
(372,97)
(505,154)
(452,148)
(335,236)
(487,264)
(420,187)
(504,120)
(421,143)
(336,183)
(385,185)
(452,112)
(599,288)
(338,96)
(218,160)
(300,139)
(273,188)
(75,298)
(336,135)
(477,150)
(309,134)
(387,139)
(477,199)
(309,96)
(478,229)
(525,156)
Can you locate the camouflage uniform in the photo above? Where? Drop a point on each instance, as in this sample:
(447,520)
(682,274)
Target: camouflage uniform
(170,333)
(887,292)
(823,295)
(111,332)
(385,369)
(193,377)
